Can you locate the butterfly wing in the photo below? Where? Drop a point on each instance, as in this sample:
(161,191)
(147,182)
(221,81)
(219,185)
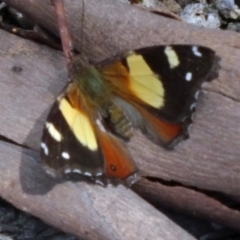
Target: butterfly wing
(118,161)
(160,85)
(75,142)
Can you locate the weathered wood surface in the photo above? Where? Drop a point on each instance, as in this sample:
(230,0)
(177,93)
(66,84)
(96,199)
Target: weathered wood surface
(209,160)
(89,211)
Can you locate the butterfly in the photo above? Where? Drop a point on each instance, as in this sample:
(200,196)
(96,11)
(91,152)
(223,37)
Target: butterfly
(153,89)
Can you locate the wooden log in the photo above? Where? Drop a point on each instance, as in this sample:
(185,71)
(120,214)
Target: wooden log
(89,211)
(209,160)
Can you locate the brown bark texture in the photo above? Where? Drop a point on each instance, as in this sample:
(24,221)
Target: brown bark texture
(207,162)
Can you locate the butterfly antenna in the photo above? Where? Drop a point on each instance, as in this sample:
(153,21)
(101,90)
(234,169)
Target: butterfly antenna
(63,30)
(83,7)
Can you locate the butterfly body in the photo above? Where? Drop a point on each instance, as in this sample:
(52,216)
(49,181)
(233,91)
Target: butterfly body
(90,84)
(97,98)
(152,89)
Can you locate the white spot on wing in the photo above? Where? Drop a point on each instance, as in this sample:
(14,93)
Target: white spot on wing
(188,76)
(101,127)
(45,148)
(97,181)
(65,155)
(192,106)
(68,170)
(55,134)
(196,95)
(87,174)
(196,51)
(99,174)
(76,170)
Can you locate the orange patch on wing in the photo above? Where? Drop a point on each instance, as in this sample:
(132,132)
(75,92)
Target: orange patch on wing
(167,132)
(74,95)
(118,162)
(117,76)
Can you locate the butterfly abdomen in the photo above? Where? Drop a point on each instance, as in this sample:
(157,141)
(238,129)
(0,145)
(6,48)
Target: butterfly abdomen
(119,122)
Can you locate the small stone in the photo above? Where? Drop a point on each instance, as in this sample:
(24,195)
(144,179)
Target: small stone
(234,26)
(184,3)
(201,15)
(228,8)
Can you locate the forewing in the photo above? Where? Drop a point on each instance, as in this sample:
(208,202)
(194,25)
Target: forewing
(69,143)
(76,143)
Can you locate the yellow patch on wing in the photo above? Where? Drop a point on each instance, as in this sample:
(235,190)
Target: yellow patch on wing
(144,83)
(53,132)
(79,124)
(172,57)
